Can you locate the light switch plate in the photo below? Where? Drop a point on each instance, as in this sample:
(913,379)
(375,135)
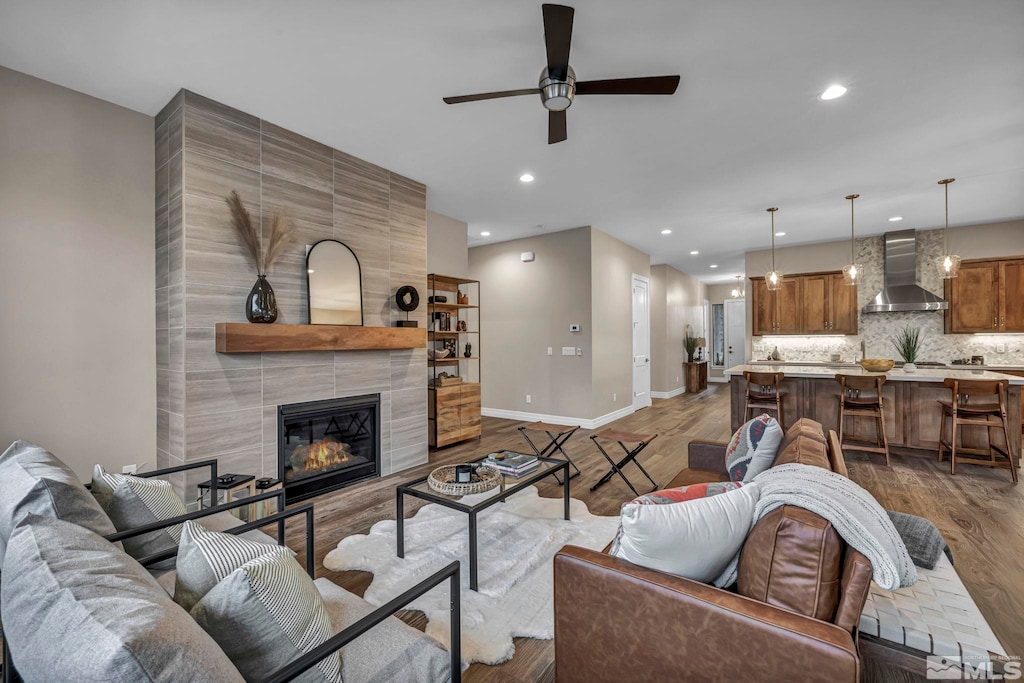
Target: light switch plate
(550,351)
(579,351)
(568,350)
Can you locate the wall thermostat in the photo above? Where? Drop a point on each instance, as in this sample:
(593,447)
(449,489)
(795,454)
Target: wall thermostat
(574,327)
(526,256)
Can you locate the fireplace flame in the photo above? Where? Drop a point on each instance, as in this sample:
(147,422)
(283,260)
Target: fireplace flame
(320,455)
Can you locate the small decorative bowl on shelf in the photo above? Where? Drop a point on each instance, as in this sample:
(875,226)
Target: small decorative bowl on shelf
(877,364)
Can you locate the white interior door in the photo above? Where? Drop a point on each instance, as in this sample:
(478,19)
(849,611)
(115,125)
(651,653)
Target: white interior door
(641,342)
(735,332)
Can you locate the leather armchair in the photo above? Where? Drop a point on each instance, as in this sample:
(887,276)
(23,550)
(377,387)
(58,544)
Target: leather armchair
(617,622)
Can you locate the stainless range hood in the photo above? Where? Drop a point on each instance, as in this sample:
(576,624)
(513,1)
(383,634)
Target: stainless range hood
(901,291)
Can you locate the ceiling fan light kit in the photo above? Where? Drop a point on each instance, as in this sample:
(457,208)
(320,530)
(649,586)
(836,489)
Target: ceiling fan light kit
(558,86)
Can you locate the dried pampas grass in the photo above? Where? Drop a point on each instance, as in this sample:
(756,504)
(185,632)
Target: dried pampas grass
(281,234)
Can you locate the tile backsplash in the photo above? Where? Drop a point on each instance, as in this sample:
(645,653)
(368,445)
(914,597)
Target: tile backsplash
(878,329)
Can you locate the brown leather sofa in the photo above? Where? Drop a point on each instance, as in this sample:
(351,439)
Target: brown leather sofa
(792,615)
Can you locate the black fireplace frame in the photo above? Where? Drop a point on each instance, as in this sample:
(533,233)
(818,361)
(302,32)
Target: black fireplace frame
(331,480)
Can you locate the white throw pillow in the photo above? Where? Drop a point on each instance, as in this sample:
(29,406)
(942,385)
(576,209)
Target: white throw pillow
(695,539)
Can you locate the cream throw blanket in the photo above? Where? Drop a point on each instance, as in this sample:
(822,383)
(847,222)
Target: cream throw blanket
(853,512)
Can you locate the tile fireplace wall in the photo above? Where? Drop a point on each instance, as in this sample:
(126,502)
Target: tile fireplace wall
(224,406)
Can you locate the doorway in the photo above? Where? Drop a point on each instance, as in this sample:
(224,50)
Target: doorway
(641,342)
(735,332)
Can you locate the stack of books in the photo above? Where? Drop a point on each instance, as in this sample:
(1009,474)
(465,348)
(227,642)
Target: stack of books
(514,464)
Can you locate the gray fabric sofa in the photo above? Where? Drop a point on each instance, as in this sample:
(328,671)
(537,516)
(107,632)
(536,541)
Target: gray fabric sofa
(75,606)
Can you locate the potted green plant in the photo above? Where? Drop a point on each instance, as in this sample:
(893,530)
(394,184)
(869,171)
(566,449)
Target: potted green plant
(908,344)
(690,345)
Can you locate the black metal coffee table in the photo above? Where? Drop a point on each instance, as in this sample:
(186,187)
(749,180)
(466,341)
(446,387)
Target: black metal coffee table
(509,485)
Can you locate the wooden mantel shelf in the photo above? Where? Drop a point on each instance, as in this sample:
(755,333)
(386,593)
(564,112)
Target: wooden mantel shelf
(256,338)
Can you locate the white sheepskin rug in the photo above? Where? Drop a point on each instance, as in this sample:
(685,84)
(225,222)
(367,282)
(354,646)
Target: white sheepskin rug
(517,540)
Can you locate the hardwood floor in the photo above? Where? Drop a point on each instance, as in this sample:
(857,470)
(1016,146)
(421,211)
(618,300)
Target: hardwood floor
(979,511)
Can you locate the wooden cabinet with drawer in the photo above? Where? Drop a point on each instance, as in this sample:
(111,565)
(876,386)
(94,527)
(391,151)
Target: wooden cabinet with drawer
(453,413)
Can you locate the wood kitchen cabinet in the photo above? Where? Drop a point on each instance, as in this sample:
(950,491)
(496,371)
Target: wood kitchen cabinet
(987,296)
(816,303)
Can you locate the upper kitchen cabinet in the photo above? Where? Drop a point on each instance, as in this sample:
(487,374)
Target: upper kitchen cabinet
(818,303)
(987,296)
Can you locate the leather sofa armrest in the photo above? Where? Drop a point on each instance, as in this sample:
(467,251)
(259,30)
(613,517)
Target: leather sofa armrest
(615,621)
(707,455)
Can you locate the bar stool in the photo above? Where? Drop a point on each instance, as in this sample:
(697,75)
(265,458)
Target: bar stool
(763,393)
(989,415)
(861,396)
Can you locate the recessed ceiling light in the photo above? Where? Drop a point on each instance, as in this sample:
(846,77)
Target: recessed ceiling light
(526,178)
(713,265)
(694,252)
(666,231)
(780,234)
(895,218)
(832,92)
(485,234)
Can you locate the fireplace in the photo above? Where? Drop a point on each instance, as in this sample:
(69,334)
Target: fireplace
(325,445)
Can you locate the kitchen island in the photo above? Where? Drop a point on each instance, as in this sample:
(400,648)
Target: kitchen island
(913,415)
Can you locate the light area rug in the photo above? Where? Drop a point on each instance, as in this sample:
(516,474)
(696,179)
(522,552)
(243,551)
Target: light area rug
(517,542)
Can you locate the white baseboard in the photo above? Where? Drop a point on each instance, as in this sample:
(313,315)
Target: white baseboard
(719,380)
(669,394)
(557,419)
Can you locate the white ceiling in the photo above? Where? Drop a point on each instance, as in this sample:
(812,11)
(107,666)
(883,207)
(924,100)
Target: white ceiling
(936,89)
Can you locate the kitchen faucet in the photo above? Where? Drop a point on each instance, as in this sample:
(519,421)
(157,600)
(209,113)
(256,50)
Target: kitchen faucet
(863,349)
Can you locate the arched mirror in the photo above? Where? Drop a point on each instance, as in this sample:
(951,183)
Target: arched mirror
(334,284)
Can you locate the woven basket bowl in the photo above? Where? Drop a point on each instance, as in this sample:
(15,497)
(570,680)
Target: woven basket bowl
(443,481)
(877,364)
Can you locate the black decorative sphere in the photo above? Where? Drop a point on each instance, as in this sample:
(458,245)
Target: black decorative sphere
(407,298)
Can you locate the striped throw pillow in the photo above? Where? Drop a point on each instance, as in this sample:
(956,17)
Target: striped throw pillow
(265,612)
(206,557)
(132,502)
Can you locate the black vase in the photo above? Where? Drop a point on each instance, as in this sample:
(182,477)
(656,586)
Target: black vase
(261,304)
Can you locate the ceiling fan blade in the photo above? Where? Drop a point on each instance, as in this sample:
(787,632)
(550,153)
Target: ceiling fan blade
(491,95)
(649,85)
(556,127)
(557,37)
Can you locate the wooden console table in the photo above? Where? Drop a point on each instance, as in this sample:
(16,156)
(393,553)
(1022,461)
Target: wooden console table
(696,376)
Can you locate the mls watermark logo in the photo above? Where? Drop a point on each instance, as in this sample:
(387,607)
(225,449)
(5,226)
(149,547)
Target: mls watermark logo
(955,668)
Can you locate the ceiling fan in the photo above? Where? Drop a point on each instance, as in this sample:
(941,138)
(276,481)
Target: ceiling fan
(558,85)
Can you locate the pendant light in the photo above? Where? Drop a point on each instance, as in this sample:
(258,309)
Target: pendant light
(948,264)
(853,271)
(737,291)
(773,278)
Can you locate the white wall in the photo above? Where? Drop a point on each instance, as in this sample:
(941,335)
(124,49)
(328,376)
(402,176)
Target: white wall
(77,337)
(677,300)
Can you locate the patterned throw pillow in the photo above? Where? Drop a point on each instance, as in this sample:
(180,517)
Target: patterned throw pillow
(132,502)
(692,531)
(265,612)
(752,449)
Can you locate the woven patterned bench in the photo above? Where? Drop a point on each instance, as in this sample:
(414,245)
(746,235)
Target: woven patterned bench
(935,616)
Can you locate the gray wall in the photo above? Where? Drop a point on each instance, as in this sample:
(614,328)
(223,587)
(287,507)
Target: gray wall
(76,268)
(527,307)
(613,264)
(447,245)
(677,301)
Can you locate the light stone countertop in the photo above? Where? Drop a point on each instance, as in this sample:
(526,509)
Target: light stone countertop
(824,371)
(994,367)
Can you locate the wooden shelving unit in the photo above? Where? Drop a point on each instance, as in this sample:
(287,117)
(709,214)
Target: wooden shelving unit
(453,411)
